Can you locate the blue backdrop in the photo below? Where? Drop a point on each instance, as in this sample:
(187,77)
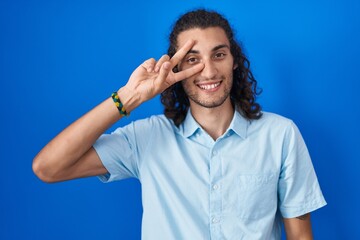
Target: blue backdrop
(58,59)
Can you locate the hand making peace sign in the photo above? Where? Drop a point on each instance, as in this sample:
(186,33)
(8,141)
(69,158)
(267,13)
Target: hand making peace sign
(153,77)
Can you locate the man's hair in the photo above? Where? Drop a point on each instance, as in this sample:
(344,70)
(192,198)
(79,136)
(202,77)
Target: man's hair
(244,90)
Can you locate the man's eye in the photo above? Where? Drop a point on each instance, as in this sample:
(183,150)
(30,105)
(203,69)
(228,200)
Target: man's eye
(192,60)
(220,55)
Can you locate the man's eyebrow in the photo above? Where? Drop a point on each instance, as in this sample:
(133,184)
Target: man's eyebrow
(220,46)
(192,51)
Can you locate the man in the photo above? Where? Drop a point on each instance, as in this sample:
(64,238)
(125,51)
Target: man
(215,166)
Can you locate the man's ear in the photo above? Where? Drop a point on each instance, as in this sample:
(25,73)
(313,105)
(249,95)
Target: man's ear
(235,66)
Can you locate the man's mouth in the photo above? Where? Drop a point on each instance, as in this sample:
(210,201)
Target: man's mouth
(209,86)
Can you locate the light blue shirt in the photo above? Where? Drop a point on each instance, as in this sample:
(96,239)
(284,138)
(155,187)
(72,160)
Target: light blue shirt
(237,187)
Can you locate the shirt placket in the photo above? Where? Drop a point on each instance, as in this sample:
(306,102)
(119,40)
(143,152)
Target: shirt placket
(215,193)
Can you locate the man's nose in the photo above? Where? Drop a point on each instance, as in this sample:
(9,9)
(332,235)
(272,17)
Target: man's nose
(209,71)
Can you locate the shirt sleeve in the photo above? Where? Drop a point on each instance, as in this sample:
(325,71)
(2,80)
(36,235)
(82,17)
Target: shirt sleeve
(117,151)
(299,190)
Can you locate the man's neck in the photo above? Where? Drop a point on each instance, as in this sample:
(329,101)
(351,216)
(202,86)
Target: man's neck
(215,121)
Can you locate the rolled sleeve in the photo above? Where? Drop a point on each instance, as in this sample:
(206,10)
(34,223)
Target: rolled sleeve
(116,152)
(299,189)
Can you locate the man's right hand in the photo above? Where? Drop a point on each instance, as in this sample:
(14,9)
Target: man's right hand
(153,77)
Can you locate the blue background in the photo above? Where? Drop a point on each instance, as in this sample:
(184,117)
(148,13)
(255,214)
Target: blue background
(59,59)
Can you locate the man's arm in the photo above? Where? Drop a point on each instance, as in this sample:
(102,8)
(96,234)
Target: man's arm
(298,228)
(71,155)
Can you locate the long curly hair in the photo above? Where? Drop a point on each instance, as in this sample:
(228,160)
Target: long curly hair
(244,90)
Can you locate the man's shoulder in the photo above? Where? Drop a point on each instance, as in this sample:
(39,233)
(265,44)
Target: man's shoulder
(148,127)
(155,122)
(274,117)
(273,121)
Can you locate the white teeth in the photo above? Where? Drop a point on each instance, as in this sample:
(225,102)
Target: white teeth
(209,86)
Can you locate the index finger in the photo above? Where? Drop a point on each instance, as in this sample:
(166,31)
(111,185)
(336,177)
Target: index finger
(181,53)
(179,76)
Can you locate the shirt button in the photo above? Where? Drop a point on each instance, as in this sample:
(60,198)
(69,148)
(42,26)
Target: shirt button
(214,153)
(215,187)
(214,220)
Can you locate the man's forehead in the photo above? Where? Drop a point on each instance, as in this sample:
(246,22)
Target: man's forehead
(204,38)
(217,47)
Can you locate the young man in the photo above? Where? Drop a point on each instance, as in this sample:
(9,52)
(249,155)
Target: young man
(215,166)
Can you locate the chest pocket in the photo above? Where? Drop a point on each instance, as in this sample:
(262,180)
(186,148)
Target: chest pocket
(256,195)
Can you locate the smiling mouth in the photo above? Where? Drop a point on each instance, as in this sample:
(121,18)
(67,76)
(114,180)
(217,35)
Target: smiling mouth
(209,86)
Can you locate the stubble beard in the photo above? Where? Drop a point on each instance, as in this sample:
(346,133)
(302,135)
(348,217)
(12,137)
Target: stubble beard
(213,103)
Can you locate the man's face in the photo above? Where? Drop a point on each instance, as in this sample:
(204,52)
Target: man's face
(211,87)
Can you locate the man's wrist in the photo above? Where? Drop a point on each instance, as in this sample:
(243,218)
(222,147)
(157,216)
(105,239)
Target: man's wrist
(129,99)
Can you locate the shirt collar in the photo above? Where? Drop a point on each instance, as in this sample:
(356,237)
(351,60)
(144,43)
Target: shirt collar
(189,126)
(238,125)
